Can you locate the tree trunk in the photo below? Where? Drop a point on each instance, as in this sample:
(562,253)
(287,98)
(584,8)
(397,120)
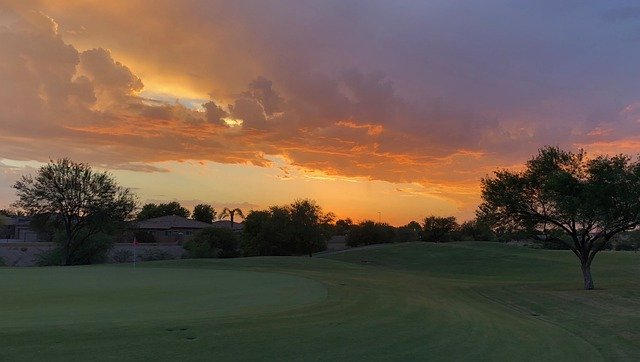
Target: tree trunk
(588,280)
(65,253)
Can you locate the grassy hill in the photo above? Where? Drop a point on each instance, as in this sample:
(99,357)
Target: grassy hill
(397,302)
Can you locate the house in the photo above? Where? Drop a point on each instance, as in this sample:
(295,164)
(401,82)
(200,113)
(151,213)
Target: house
(226,224)
(17,229)
(171,229)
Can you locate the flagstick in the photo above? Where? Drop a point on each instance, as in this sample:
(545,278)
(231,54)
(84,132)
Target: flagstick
(135,242)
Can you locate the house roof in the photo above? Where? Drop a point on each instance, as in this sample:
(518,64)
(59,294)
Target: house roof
(15,221)
(172,222)
(226,224)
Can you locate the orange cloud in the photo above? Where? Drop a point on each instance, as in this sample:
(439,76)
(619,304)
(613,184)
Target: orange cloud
(72,82)
(372,129)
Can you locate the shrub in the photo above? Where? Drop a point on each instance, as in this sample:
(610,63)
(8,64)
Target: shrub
(122,256)
(627,245)
(92,250)
(48,257)
(213,243)
(554,243)
(2,262)
(150,254)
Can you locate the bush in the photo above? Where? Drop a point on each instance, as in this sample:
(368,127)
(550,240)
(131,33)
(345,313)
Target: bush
(554,244)
(122,256)
(150,254)
(213,243)
(627,245)
(92,250)
(2,262)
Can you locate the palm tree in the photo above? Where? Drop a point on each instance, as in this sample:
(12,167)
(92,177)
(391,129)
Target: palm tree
(231,213)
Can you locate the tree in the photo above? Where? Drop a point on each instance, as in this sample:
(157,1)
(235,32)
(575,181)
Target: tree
(4,230)
(12,212)
(586,201)
(416,227)
(475,230)
(79,202)
(268,232)
(151,210)
(370,232)
(204,213)
(298,228)
(342,226)
(213,242)
(438,229)
(310,225)
(230,213)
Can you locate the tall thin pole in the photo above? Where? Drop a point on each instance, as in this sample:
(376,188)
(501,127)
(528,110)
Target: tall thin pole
(135,243)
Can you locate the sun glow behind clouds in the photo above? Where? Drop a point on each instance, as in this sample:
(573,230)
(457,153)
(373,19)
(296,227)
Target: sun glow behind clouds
(226,184)
(154,98)
(233,122)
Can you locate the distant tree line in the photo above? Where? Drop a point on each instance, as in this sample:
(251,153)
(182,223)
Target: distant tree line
(435,229)
(561,198)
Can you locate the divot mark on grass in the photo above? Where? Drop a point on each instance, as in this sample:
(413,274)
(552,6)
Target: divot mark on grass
(191,338)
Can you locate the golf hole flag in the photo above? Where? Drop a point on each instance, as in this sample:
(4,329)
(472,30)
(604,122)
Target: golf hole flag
(135,244)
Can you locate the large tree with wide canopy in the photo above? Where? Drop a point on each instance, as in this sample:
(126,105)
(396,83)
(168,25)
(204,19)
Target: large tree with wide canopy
(585,201)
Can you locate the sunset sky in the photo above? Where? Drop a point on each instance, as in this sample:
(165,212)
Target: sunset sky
(397,107)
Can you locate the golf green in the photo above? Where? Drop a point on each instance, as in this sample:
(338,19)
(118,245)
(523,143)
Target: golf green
(414,301)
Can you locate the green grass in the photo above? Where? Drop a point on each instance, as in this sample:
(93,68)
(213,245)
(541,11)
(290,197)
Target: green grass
(416,301)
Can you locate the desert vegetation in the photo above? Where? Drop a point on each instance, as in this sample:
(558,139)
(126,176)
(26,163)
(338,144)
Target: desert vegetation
(77,205)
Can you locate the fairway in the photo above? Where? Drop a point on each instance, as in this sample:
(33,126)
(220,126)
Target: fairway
(411,301)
